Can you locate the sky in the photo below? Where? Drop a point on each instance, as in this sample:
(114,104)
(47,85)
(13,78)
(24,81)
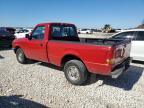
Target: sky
(82,13)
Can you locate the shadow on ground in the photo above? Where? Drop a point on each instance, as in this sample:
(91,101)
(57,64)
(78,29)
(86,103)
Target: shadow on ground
(50,66)
(1,57)
(16,101)
(2,49)
(126,81)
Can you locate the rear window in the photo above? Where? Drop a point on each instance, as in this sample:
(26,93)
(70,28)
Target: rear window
(64,32)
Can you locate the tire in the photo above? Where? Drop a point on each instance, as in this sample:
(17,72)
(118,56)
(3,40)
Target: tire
(75,72)
(21,58)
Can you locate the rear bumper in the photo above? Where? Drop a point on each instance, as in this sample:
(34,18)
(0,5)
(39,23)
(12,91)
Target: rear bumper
(119,69)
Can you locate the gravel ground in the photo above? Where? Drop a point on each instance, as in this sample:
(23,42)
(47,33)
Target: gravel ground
(40,85)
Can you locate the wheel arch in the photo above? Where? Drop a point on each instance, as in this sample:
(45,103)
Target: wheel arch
(69,57)
(16,48)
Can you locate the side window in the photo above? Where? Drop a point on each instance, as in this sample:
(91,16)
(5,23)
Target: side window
(140,36)
(131,35)
(124,35)
(38,33)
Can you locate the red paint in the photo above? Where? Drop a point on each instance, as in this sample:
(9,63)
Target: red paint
(93,56)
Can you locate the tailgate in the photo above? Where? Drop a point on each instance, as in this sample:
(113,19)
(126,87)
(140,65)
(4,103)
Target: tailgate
(121,52)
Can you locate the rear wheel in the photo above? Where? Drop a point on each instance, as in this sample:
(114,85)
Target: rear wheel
(21,58)
(75,72)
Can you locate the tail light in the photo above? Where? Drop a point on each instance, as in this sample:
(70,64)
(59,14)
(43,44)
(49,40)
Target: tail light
(120,53)
(116,56)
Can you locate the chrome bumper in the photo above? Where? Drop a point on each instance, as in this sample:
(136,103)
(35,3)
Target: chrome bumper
(117,73)
(121,68)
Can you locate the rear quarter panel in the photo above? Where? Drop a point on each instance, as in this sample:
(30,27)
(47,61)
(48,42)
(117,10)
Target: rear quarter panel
(93,56)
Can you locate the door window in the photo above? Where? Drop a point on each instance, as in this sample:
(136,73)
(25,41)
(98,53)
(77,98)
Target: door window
(124,35)
(38,33)
(140,36)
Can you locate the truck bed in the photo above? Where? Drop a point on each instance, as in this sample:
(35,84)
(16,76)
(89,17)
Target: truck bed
(106,42)
(97,41)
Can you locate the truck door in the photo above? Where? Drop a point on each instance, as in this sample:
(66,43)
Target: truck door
(37,45)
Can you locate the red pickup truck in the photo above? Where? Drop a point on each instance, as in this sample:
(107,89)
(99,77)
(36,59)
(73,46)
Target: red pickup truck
(59,44)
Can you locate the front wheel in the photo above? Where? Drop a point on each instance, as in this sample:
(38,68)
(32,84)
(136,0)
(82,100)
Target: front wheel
(21,56)
(75,72)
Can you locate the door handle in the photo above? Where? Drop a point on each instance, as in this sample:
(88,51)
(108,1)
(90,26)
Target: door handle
(41,44)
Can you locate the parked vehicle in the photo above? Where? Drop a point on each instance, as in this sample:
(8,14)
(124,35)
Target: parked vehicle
(8,29)
(22,32)
(59,44)
(6,39)
(137,37)
(94,30)
(84,31)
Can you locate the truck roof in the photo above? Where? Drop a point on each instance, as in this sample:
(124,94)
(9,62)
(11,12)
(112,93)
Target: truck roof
(50,23)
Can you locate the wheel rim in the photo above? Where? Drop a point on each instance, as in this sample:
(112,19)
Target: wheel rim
(73,73)
(20,56)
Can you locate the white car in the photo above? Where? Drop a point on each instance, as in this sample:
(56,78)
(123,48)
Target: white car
(84,31)
(21,33)
(137,36)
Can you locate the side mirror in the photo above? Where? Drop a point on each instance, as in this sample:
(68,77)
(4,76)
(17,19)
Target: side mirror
(28,36)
